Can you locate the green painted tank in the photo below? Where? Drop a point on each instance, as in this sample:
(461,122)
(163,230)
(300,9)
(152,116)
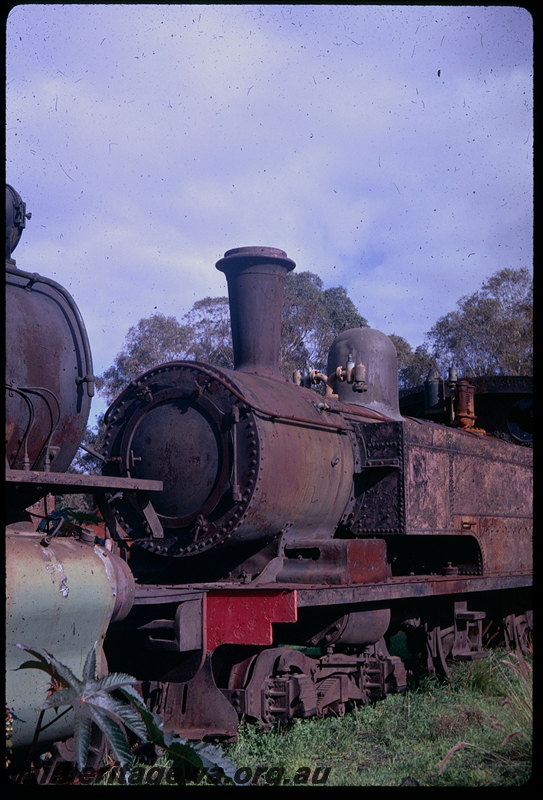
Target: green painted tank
(61,597)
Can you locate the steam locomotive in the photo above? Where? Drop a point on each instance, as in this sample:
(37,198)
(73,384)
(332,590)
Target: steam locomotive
(284,549)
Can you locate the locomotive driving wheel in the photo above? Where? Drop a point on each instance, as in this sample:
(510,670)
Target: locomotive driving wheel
(512,631)
(429,647)
(440,643)
(518,631)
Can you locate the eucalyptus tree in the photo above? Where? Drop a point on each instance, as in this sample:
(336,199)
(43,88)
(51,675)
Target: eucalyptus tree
(312,316)
(491,331)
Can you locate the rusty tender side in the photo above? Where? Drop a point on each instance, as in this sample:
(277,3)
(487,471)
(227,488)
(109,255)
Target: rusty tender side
(277,541)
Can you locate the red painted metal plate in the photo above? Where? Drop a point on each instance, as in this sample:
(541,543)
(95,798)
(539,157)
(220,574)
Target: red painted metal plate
(246,617)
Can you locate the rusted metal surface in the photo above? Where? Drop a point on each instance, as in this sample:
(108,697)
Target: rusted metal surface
(461,483)
(59,482)
(502,404)
(465,409)
(16,216)
(281,684)
(408,587)
(254,511)
(49,378)
(436,641)
(249,460)
(467,634)
(255,277)
(339,561)
(378,355)
(277,684)
(49,382)
(506,543)
(232,474)
(519,631)
(411,588)
(357,627)
(196,709)
(377,502)
(209,619)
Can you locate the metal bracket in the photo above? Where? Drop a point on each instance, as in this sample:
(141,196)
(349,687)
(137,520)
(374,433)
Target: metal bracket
(89,380)
(468,633)
(157,531)
(185,631)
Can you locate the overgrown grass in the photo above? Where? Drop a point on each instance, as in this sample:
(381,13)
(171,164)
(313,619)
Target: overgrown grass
(474,731)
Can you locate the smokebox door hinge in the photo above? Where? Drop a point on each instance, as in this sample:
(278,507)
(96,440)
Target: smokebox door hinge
(157,531)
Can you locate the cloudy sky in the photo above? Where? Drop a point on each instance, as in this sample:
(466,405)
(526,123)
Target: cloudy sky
(386,148)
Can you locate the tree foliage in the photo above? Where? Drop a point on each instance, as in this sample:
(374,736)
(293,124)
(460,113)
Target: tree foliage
(208,326)
(87,461)
(312,316)
(491,331)
(413,365)
(153,340)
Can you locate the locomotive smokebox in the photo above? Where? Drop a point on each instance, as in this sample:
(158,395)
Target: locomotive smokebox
(255,277)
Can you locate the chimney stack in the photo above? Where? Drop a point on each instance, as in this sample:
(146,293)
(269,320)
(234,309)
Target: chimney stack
(255,277)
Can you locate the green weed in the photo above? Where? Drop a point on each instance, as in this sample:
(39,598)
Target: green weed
(474,731)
